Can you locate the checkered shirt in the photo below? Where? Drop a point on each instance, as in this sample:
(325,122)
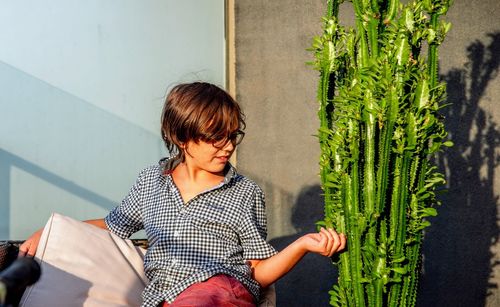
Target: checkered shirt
(213,233)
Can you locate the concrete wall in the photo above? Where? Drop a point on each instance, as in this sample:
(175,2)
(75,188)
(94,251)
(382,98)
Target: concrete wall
(277,91)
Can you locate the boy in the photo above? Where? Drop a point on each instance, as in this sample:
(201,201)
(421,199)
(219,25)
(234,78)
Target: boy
(205,224)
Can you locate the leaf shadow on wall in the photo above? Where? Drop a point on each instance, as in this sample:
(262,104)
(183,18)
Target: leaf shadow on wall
(458,260)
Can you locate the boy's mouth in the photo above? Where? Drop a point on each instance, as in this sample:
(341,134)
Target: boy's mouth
(222,158)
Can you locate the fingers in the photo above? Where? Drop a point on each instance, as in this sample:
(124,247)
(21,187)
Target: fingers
(332,242)
(29,247)
(336,243)
(343,242)
(23,249)
(325,242)
(32,250)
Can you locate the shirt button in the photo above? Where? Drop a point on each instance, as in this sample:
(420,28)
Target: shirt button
(175,261)
(176,234)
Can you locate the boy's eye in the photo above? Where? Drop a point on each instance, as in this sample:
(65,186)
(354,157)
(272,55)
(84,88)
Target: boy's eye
(235,138)
(218,141)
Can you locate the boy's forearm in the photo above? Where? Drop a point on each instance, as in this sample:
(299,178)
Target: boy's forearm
(97,222)
(326,242)
(269,270)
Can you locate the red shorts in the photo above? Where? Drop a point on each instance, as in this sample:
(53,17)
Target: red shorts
(219,290)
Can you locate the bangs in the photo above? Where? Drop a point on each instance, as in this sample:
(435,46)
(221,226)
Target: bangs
(219,120)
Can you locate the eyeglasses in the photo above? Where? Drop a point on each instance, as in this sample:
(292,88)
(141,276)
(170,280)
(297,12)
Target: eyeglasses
(235,138)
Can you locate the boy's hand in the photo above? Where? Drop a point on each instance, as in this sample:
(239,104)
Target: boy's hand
(326,242)
(28,248)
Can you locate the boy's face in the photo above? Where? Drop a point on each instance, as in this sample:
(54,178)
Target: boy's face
(208,156)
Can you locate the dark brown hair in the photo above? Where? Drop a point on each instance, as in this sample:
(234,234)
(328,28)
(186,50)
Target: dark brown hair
(199,111)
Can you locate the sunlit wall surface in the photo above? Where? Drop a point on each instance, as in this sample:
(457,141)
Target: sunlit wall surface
(82,85)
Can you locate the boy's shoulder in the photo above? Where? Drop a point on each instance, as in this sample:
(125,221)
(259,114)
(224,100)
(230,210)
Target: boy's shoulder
(151,172)
(243,182)
(153,169)
(161,168)
(240,178)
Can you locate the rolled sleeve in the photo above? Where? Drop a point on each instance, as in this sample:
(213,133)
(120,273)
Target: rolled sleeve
(126,219)
(253,231)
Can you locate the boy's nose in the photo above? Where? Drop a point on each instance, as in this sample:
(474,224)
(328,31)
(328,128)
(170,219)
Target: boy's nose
(229,146)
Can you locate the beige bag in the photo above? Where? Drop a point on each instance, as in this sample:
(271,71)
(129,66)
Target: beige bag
(83,265)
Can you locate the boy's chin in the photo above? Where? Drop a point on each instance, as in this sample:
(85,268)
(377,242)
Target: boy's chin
(217,168)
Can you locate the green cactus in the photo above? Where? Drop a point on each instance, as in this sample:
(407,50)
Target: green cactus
(379,127)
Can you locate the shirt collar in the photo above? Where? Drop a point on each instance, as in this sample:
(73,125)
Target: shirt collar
(168,164)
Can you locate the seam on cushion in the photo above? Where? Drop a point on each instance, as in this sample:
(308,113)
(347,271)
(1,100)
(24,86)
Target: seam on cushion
(47,237)
(27,294)
(114,239)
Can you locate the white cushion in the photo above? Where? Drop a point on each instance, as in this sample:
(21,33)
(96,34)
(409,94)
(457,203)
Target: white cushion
(83,265)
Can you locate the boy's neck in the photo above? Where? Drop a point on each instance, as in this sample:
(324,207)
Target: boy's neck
(189,173)
(191,181)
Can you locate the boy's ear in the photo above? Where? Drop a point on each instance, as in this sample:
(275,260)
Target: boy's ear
(184,148)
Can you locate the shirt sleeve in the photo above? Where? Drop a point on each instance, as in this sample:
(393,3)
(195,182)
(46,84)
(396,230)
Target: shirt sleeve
(126,219)
(253,230)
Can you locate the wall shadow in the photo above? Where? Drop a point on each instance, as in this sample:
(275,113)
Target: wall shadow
(9,160)
(458,260)
(50,138)
(309,282)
